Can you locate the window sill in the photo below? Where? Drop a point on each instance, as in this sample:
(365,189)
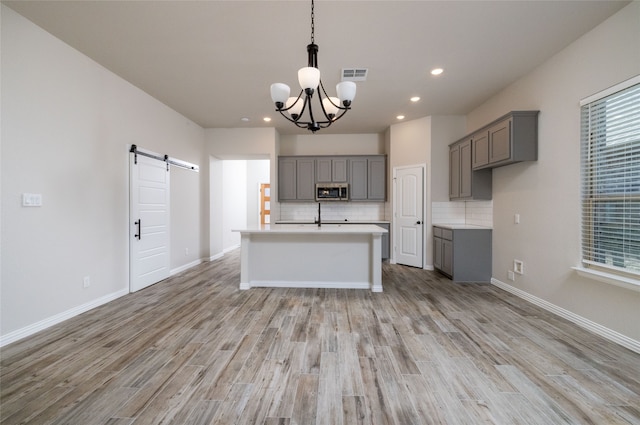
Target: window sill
(610,278)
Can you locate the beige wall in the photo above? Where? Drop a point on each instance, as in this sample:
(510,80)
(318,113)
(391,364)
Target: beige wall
(66,126)
(425,141)
(546,193)
(332,144)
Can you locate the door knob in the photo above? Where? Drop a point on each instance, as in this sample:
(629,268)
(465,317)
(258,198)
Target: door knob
(418,222)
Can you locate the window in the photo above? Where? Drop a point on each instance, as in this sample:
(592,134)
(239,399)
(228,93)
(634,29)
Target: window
(610,157)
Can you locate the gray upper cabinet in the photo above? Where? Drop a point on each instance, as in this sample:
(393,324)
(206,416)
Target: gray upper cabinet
(464,182)
(366,175)
(368,178)
(510,139)
(331,170)
(480,144)
(305,179)
(296,179)
(377,178)
(358,173)
(287,179)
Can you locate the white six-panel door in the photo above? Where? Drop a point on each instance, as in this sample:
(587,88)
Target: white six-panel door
(149,222)
(409,221)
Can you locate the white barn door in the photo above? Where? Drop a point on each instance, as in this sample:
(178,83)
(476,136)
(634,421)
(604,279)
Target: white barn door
(148,222)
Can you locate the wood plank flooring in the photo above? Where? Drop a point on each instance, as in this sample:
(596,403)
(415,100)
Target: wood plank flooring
(193,349)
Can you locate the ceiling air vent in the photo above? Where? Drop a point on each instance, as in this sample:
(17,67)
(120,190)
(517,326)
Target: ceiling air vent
(354,74)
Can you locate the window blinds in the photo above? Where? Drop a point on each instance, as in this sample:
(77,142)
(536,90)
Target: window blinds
(610,157)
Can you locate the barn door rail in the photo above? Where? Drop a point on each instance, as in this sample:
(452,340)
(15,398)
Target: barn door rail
(135,150)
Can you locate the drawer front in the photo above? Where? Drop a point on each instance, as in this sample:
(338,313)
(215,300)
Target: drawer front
(447,234)
(437,232)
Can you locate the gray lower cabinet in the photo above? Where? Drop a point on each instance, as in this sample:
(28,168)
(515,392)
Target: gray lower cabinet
(464,255)
(385,240)
(386,245)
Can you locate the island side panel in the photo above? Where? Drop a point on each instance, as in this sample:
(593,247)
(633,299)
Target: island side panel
(310,260)
(375,262)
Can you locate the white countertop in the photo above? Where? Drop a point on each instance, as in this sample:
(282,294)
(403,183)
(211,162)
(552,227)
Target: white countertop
(333,221)
(326,228)
(455,226)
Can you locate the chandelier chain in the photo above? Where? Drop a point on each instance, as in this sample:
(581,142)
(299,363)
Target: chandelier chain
(312,24)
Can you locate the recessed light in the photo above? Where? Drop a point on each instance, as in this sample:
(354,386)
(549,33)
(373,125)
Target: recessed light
(400,117)
(415,98)
(244,119)
(437,71)
(266,119)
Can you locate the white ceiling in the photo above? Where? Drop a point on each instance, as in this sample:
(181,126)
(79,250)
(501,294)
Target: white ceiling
(213,61)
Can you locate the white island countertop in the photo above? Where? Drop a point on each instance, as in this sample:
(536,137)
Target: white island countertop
(328,228)
(455,226)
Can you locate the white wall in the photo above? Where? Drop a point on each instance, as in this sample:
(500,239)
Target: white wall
(234,144)
(66,126)
(234,201)
(546,193)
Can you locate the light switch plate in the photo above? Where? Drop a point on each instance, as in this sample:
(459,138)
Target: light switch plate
(31,200)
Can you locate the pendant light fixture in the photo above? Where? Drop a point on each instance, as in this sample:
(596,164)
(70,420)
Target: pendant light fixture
(330,108)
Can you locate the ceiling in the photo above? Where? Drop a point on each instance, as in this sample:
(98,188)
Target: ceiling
(213,61)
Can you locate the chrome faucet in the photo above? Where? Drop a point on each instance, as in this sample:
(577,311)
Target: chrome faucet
(319,220)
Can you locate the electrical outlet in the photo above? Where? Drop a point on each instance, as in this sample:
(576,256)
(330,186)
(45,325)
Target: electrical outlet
(86,282)
(516,218)
(186,251)
(518,266)
(511,275)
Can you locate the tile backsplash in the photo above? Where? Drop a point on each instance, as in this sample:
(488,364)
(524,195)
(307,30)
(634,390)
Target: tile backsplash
(471,212)
(353,211)
(479,213)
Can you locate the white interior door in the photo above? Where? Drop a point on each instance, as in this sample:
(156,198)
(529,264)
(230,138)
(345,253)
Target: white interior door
(409,216)
(149,222)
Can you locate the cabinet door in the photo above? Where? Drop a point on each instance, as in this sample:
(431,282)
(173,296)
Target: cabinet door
(437,253)
(305,179)
(376,186)
(447,257)
(500,141)
(465,170)
(287,179)
(339,170)
(480,150)
(323,170)
(358,172)
(454,172)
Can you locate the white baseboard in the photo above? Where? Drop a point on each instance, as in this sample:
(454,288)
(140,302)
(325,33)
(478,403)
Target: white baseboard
(58,318)
(185,267)
(216,256)
(231,248)
(594,327)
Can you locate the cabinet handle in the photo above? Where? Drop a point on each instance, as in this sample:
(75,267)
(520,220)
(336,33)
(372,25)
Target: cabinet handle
(139,224)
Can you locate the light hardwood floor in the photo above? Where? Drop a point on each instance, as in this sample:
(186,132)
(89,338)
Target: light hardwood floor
(194,349)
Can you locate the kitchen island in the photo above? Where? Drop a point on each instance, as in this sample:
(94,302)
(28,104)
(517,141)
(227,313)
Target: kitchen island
(311,256)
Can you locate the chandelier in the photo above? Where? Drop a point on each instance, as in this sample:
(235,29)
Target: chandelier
(331,108)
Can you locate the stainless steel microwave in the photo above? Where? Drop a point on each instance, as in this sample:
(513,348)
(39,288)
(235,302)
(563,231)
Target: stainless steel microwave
(332,192)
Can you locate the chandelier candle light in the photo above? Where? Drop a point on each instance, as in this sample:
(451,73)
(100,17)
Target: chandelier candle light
(292,108)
